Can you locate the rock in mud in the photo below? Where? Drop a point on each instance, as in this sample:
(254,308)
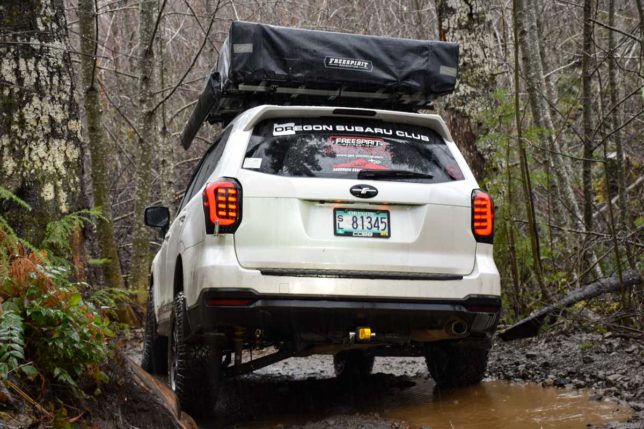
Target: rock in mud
(561,382)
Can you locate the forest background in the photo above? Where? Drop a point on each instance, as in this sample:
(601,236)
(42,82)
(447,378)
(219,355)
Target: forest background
(548,112)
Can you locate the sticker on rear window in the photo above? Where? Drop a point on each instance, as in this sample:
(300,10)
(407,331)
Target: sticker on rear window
(342,147)
(358,165)
(356,153)
(356,141)
(291,128)
(252,163)
(284,129)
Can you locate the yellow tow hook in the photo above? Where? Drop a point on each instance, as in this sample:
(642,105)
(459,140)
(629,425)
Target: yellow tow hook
(362,334)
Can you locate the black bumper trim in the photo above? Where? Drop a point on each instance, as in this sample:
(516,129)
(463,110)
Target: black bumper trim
(282,317)
(370,275)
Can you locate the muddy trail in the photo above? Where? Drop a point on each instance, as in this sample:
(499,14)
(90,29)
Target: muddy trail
(555,381)
(279,397)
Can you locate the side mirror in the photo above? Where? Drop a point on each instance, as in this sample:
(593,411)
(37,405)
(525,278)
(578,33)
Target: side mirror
(157,217)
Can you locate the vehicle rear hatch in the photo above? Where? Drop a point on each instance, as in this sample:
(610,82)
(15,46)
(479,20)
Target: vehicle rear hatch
(346,195)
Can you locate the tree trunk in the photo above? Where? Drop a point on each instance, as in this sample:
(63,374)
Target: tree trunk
(614,94)
(525,172)
(99,150)
(517,296)
(147,139)
(466,22)
(40,150)
(166,145)
(587,120)
(640,11)
(554,205)
(535,83)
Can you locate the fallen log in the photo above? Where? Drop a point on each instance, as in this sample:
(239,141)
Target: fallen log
(162,395)
(529,327)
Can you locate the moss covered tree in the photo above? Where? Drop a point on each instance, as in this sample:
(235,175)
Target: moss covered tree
(40,151)
(147,136)
(467,23)
(99,150)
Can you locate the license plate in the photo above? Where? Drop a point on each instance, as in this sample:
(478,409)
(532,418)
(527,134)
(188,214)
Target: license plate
(361,223)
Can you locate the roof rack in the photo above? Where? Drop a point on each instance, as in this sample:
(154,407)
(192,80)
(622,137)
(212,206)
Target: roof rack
(265,64)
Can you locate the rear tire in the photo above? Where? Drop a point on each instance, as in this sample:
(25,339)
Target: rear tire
(352,364)
(194,369)
(457,365)
(155,346)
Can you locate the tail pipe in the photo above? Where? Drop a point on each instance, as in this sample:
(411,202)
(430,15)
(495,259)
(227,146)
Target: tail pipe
(457,328)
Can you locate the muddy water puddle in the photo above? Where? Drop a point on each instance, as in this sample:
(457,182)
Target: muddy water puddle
(498,404)
(270,401)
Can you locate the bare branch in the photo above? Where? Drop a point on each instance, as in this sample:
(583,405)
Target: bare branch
(629,35)
(620,127)
(614,107)
(194,60)
(95,43)
(106,93)
(156,26)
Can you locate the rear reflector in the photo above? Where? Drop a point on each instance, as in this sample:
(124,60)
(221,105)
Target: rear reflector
(222,206)
(229,302)
(482,216)
(482,308)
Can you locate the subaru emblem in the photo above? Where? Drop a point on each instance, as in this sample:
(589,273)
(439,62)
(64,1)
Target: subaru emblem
(363,191)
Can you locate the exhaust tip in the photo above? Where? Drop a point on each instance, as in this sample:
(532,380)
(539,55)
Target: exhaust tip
(458,328)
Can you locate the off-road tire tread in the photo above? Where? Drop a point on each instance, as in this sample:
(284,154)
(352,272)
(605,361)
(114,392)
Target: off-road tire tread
(198,372)
(456,365)
(155,347)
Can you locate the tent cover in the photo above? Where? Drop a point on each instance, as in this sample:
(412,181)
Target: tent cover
(265,64)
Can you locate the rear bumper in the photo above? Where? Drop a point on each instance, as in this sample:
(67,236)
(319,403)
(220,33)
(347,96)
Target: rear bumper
(330,319)
(214,265)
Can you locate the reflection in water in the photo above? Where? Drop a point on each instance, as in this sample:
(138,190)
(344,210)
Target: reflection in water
(497,404)
(270,400)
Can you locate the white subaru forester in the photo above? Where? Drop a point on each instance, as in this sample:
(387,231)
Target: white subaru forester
(344,231)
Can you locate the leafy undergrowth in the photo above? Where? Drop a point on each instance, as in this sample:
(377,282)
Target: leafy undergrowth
(55,334)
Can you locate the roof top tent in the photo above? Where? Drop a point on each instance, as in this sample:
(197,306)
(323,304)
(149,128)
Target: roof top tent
(265,64)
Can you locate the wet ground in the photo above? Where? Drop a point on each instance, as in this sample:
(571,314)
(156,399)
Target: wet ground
(302,392)
(558,380)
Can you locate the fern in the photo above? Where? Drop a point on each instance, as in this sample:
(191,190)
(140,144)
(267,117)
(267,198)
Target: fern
(47,328)
(12,342)
(109,299)
(8,247)
(9,241)
(7,195)
(59,232)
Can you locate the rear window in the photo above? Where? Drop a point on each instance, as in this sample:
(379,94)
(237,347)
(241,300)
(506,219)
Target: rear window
(343,147)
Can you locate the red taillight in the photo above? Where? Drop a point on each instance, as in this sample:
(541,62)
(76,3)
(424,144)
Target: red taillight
(222,206)
(482,216)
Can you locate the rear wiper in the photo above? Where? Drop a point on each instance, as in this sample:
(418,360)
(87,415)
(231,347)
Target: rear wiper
(392,174)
